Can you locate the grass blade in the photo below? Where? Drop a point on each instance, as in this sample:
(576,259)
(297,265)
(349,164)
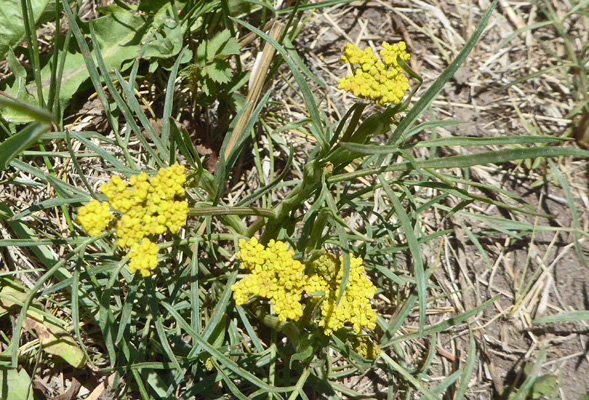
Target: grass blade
(439,83)
(414,249)
(14,145)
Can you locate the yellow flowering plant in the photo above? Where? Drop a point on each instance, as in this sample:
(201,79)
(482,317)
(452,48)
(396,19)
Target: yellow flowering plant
(379,80)
(145,208)
(313,289)
(288,277)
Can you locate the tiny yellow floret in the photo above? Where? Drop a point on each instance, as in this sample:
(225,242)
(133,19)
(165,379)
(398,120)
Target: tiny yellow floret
(380,81)
(94,217)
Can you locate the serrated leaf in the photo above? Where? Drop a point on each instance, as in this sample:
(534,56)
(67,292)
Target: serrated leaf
(216,43)
(219,71)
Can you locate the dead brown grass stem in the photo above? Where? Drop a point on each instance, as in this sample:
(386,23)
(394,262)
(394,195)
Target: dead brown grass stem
(260,74)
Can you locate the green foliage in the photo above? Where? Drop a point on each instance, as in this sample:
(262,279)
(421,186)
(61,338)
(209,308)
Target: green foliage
(120,35)
(12,21)
(16,144)
(211,69)
(15,384)
(531,385)
(179,333)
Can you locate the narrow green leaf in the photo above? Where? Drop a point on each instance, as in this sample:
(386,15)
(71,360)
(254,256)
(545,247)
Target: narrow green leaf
(464,161)
(227,362)
(566,317)
(14,145)
(417,261)
(308,97)
(169,100)
(573,210)
(439,83)
(476,141)
(442,326)
(407,375)
(471,359)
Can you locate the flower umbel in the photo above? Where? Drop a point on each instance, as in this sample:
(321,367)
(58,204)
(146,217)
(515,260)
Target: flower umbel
(94,217)
(354,306)
(147,207)
(274,276)
(380,81)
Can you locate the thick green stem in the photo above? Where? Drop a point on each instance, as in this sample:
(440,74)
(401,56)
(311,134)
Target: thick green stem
(289,328)
(312,175)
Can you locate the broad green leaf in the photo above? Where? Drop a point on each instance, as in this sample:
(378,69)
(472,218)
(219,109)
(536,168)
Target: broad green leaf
(13,111)
(120,36)
(12,28)
(15,385)
(57,342)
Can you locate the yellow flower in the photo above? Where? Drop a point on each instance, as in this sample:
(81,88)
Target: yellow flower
(274,276)
(147,207)
(354,306)
(94,217)
(382,82)
(143,257)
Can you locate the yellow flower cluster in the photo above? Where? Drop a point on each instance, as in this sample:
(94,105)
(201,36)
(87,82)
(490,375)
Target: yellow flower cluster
(354,306)
(364,346)
(143,257)
(380,81)
(94,217)
(274,276)
(147,207)
(277,277)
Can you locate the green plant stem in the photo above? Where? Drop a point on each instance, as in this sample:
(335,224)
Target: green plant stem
(289,328)
(33,46)
(225,210)
(312,176)
(300,383)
